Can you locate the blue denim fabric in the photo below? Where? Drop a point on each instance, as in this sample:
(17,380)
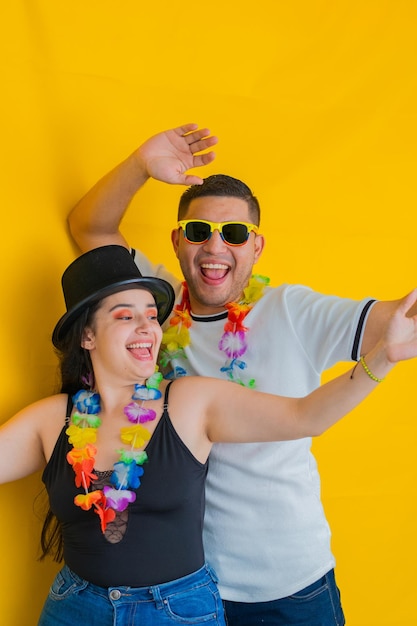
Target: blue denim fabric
(193,599)
(316,605)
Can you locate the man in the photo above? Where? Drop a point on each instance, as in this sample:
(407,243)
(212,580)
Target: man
(265,530)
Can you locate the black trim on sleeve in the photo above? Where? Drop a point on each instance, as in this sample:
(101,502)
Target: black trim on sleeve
(355,355)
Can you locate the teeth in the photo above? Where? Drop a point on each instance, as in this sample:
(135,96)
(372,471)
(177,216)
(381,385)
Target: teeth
(214,266)
(135,346)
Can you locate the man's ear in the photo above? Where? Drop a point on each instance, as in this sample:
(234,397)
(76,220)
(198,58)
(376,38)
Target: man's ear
(88,339)
(175,236)
(259,246)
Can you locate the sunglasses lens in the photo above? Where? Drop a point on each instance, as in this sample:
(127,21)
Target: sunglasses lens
(235,234)
(197,232)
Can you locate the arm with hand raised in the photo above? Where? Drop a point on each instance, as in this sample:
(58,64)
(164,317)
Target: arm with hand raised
(166,157)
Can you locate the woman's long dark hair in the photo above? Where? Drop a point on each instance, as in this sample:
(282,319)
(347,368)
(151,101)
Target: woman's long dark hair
(76,373)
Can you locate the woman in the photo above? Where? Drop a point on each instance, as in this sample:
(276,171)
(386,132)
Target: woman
(125,453)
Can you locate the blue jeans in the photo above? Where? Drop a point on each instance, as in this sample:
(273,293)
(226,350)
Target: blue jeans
(316,605)
(193,599)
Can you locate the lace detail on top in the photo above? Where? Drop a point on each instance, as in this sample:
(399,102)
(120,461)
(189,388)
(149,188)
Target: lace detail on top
(115,530)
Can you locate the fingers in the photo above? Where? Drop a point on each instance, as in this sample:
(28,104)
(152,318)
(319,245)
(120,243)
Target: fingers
(199,143)
(203,144)
(200,140)
(192,180)
(204,159)
(197,138)
(191,132)
(186,128)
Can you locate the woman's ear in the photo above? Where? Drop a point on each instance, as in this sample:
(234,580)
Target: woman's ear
(88,339)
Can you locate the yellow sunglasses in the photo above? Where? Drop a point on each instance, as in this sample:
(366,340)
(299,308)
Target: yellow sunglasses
(232,233)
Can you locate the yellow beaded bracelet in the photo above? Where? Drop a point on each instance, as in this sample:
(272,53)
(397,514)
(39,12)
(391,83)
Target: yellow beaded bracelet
(368,371)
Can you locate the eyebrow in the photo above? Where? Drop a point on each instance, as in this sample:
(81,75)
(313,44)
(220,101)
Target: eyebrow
(150,305)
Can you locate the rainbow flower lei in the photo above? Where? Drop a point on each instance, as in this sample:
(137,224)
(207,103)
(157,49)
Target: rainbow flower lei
(233,341)
(127,471)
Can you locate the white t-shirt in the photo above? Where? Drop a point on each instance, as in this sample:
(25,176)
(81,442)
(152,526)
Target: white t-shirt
(265,532)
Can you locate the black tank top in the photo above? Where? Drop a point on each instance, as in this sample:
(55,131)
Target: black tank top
(159,536)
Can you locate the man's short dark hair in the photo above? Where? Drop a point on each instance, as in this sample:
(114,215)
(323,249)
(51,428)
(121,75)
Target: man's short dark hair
(220,185)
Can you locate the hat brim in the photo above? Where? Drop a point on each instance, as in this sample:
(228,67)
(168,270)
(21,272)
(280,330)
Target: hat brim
(161,290)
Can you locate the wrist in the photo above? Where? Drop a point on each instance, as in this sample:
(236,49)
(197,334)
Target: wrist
(376,364)
(140,165)
(369,373)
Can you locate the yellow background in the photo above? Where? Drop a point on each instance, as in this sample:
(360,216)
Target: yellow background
(314,103)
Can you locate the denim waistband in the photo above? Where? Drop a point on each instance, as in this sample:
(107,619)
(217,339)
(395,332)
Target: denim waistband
(155,592)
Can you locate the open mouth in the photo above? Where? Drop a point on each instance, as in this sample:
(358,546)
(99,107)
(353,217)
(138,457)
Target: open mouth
(140,350)
(214,271)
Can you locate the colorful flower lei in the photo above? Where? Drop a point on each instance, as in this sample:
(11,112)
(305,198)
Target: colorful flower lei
(233,341)
(127,471)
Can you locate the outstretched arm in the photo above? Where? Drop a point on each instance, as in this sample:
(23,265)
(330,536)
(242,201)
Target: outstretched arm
(236,414)
(166,157)
(28,439)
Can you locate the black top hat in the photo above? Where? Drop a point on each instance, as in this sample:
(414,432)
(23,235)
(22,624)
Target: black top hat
(101,272)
